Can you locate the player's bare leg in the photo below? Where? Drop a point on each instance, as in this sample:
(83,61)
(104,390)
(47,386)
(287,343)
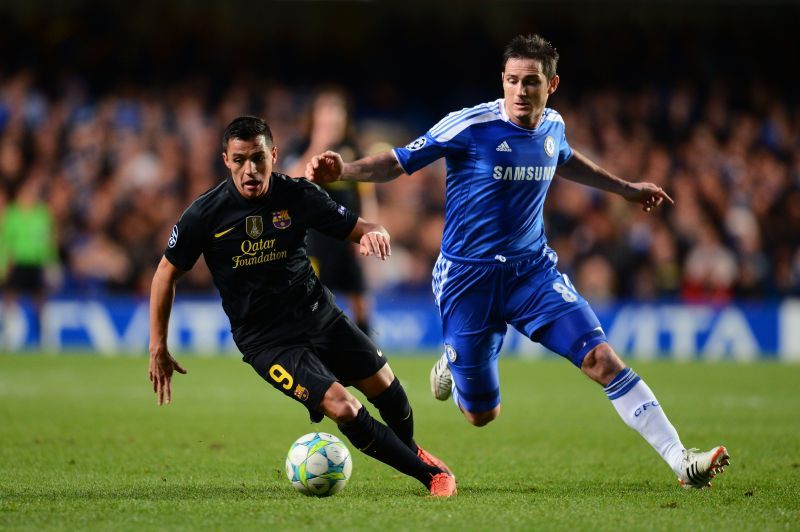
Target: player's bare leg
(602,364)
(481,419)
(376,384)
(637,406)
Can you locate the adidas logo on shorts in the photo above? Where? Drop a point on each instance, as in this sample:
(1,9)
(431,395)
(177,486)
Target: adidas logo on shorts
(504,147)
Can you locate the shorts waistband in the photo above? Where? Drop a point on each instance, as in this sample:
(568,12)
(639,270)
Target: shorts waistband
(497,259)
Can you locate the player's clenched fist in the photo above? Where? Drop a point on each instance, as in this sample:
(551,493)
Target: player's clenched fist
(325,167)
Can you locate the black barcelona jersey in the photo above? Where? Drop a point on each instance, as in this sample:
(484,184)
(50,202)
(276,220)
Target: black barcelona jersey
(256,252)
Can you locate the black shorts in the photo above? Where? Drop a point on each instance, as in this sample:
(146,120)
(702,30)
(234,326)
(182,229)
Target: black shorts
(27,279)
(304,371)
(336,263)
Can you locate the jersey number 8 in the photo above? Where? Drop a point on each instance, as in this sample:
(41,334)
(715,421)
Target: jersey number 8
(568,295)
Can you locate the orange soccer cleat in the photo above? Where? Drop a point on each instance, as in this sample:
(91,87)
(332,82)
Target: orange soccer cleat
(443,485)
(431,460)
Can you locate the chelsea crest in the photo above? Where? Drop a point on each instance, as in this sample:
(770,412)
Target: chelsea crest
(550,146)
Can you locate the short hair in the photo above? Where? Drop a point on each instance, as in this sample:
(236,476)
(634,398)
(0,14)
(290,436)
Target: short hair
(533,46)
(246,128)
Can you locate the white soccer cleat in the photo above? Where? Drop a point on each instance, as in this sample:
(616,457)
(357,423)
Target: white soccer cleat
(697,469)
(441,379)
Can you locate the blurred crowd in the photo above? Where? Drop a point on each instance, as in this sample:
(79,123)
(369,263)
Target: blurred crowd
(90,185)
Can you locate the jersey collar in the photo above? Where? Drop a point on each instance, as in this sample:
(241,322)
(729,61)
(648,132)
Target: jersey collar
(506,118)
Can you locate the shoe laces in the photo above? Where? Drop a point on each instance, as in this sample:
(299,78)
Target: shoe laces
(688,453)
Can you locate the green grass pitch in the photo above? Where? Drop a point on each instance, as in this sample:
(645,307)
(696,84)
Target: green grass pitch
(84,446)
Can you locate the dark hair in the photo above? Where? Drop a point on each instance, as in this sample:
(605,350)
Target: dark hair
(533,47)
(246,128)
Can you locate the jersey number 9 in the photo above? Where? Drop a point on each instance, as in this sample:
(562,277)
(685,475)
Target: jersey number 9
(281,376)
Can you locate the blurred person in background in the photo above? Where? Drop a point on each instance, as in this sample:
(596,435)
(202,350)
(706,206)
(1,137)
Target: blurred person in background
(335,261)
(98,260)
(595,276)
(28,245)
(495,266)
(710,269)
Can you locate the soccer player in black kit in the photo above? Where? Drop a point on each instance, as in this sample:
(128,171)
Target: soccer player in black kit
(251,229)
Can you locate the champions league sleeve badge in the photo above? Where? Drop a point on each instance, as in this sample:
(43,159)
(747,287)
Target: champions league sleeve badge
(417,144)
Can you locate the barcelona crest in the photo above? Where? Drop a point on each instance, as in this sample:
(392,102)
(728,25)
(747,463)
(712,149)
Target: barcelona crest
(301,393)
(254,226)
(281,219)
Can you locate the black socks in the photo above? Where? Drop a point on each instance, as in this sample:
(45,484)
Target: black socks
(376,440)
(396,412)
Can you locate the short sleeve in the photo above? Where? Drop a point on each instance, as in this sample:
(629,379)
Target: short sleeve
(420,153)
(186,240)
(327,216)
(565,150)
(447,138)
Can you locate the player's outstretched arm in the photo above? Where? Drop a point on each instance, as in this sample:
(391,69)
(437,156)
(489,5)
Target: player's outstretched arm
(162,363)
(372,239)
(583,170)
(328,167)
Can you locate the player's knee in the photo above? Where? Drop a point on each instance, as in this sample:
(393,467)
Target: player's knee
(481,419)
(602,364)
(339,404)
(376,384)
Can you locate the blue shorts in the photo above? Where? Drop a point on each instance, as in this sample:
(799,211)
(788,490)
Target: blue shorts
(478,299)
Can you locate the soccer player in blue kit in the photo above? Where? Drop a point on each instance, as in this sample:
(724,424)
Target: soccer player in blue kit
(495,267)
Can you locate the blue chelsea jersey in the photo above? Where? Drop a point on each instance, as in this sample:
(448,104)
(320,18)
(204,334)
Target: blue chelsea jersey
(498,174)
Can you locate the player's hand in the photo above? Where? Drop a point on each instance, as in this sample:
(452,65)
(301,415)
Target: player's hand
(326,167)
(162,365)
(648,194)
(375,243)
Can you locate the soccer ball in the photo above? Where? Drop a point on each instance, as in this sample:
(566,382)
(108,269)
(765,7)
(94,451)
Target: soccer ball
(318,464)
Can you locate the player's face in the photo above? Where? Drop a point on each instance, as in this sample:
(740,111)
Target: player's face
(250,163)
(525,89)
(330,116)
